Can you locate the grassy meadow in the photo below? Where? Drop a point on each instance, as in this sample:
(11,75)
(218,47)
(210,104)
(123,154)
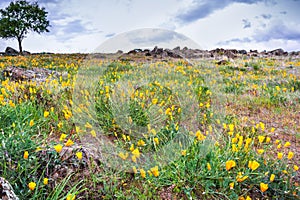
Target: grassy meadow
(152,130)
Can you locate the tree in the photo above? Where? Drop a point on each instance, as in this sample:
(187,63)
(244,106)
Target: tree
(21,17)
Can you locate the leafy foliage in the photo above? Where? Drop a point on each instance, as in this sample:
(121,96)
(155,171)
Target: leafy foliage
(20,17)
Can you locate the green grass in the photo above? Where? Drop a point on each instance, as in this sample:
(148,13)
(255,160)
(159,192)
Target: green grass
(177,127)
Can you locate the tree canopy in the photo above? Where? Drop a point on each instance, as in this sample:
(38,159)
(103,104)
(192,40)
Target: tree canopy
(21,17)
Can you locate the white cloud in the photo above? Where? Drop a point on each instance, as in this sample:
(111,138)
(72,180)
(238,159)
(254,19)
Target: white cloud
(81,26)
(224,27)
(278,29)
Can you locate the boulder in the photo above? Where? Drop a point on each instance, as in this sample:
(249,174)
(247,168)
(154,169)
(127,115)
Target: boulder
(26,53)
(184,49)
(278,52)
(164,54)
(217,51)
(157,51)
(230,53)
(253,51)
(9,51)
(234,51)
(172,54)
(244,52)
(176,48)
(134,51)
(146,52)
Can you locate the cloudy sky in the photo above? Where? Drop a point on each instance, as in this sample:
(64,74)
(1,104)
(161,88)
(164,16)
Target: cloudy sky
(81,26)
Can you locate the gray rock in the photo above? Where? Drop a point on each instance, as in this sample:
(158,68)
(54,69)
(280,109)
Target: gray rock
(34,74)
(294,53)
(184,49)
(157,51)
(26,53)
(134,51)
(230,53)
(278,52)
(9,51)
(6,190)
(173,54)
(244,52)
(176,48)
(253,51)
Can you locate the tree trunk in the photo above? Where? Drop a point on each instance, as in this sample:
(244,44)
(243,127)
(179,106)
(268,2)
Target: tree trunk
(20,45)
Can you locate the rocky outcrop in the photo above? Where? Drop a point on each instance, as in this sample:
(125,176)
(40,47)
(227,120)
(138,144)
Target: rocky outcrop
(155,53)
(294,53)
(34,74)
(217,54)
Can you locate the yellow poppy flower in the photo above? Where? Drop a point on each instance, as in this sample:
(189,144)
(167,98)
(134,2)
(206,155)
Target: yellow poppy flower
(26,154)
(208,166)
(31,123)
(45,181)
(32,185)
(272,177)
(260,151)
(231,185)
(58,148)
(71,197)
(240,177)
(261,138)
(136,153)
(230,164)
(143,173)
(46,113)
(69,143)
(141,143)
(287,144)
(290,155)
(123,156)
(62,137)
(263,187)
(253,165)
(79,155)
(155,171)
